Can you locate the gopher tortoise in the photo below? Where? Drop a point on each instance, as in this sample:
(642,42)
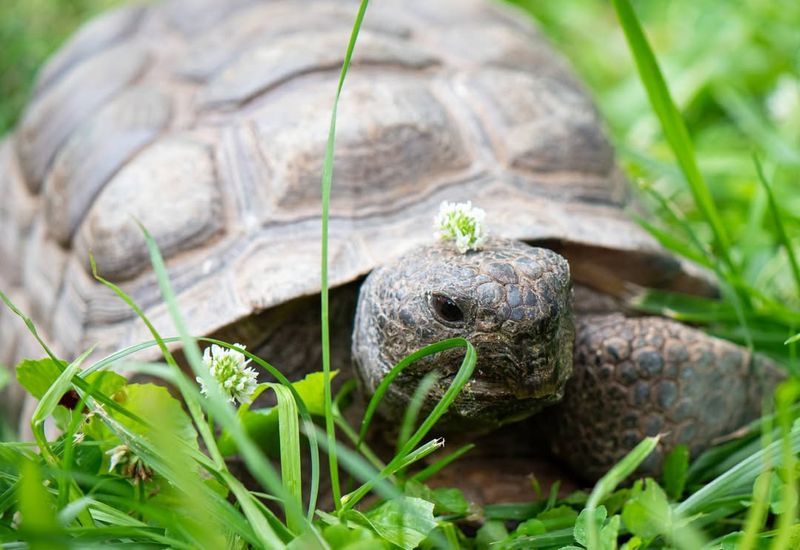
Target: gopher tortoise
(206,120)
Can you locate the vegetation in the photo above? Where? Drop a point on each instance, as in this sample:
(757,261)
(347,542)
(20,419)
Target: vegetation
(30,30)
(115,476)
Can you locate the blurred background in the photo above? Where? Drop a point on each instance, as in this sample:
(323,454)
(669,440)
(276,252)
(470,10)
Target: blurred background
(733,68)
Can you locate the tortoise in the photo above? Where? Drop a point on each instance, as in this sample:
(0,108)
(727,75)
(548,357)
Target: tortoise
(206,120)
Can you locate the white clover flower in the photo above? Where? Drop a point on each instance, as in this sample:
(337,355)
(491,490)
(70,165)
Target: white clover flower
(16,520)
(462,223)
(229,367)
(784,101)
(119,455)
(131,466)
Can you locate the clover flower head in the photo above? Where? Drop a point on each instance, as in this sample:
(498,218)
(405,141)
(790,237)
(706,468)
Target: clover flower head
(130,465)
(229,367)
(784,101)
(463,223)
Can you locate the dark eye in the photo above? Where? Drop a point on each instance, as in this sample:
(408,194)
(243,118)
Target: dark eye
(446,309)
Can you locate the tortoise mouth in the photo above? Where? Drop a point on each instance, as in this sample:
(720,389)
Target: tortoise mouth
(500,376)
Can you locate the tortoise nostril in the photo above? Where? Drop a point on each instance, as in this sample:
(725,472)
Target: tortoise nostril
(446,309)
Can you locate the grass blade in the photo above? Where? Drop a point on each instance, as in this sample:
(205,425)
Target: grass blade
(219,407)
(777,217)
(372,406)
(437,466)
(461,378)
(741,475)
(327,177)
(289,432)
(785,396)
(414,406)
(616,475)
(673,125)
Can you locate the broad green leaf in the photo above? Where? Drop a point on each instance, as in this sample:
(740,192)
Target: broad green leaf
(609,534)
(490,532)
(776,488)
(634,543)
(404,521)
(648,514)
(312,390)
(449,500)
(261,426)
(446,500)
(675,467)
(106,382)
(531,527)
(616,500)
(580,531)
(87,457)
(352,537)
(730,541)
(38,375)
(143,399)
(63,417)
(558,513)
(50,400)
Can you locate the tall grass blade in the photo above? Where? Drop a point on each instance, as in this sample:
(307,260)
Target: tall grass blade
(221,410)
(31,327)
(327,177)
(380,391)
(673,126)
(777,217)
(609,482)
(437,466)
(47,404)
(741,475)
(785,396)
(304,414)
(414,406)
(262,528)
(461,378)
(289,433)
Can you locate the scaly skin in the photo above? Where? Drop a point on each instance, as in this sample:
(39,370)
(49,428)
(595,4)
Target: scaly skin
(633,376)
(638,377)
(515,305)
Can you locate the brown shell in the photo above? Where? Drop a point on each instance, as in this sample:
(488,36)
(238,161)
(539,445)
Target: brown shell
(206,120)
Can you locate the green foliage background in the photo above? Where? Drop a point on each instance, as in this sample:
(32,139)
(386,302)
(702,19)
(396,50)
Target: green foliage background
(30,30)
(734,70)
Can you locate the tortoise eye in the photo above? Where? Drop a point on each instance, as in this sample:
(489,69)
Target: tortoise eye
(446,309)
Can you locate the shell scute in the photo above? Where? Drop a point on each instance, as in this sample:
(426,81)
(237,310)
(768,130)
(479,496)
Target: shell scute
(276,61)
(171,188)
(54,115)
(395,141)
(97,150)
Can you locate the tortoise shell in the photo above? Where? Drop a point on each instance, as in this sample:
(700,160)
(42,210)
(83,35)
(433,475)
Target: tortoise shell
(206,120)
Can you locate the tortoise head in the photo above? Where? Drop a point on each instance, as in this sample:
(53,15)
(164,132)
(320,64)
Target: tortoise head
(510,300)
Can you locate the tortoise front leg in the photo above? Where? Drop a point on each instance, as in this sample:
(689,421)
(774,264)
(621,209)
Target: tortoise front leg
(637,377)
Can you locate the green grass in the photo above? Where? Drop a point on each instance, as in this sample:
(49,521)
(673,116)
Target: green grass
(691,144)
(31,30)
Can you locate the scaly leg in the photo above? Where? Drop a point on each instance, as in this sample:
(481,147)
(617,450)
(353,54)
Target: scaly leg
(637,377)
